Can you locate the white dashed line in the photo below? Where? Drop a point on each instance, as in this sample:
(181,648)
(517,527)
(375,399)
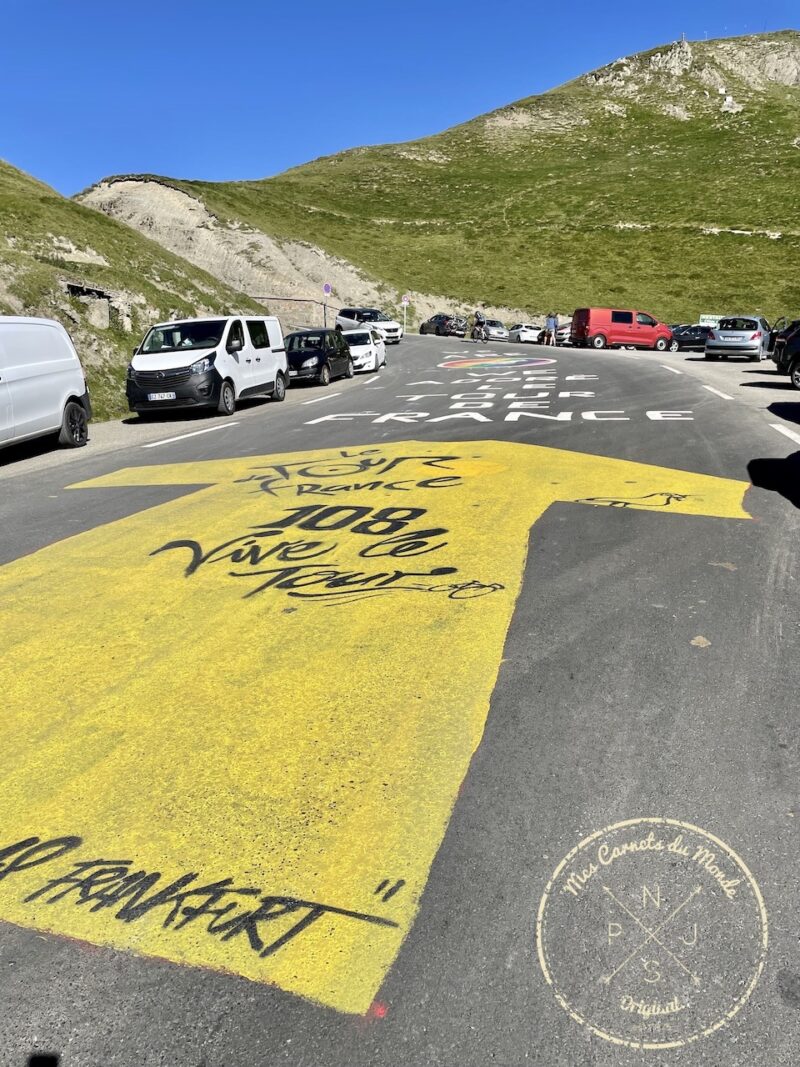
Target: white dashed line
(194,433)
(716,392)
(664,365)
(317,399)
(786,432)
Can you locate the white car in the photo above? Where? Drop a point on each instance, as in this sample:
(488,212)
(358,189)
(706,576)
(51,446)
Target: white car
(349,318)
(564,333)
(524,333)
(42,384)
(367,347)
(495,330)
(202,363)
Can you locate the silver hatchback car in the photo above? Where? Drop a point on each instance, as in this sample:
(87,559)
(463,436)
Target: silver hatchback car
(495,330)
(739,335)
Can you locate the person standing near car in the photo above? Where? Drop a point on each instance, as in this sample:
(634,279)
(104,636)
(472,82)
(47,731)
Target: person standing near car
(550,327)
(479,329)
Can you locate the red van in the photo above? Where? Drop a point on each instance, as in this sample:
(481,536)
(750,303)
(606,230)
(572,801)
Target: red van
(602,327)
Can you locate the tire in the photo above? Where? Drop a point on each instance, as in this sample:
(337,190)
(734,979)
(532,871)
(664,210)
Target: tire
(324,376)
(227,398)
(711,355)
(438,332)
(661,344)
(598,341)
(794,374)
(674,346)
(279,392)
(74,432)
(351,370)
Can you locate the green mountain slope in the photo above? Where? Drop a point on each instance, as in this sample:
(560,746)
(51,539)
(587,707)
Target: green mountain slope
(668,181)
(103,280)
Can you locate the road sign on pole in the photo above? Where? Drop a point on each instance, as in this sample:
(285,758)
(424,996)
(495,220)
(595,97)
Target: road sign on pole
(405,302)
(327,290)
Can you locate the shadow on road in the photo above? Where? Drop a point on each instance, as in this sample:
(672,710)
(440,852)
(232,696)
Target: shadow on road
(778,475)
(789,412)
(785,384)
(43,1059)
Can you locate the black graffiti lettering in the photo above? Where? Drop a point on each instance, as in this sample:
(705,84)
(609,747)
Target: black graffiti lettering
(326,468)
(467,590)
(104,883)
(33,851)
(247,549)
(650,500)
(409,543)
(337,583)
(271,486)
(84,875)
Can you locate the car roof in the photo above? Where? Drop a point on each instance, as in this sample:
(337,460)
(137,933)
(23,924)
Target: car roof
(311,329)
(28,320)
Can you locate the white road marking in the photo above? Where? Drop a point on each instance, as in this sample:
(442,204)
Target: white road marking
(664,365)
(194,433)
(716,392)
(786,432)
(317,399)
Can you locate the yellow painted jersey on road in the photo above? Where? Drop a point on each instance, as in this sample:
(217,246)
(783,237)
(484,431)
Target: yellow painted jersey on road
(235,724)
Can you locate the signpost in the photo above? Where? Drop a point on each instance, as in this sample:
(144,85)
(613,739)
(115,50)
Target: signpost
(327,290)
(405,302)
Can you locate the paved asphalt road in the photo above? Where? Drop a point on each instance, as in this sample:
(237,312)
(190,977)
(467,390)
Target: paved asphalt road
(447,716)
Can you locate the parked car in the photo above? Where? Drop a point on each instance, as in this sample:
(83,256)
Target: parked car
(42,385)
(207,363)
(782,331)
(444,325)
(318,355)
(367,347)
(689,337)
(564,334)
(787,354)
(604,327)
(350,317)
(524,333)
(495,330)
(739,335)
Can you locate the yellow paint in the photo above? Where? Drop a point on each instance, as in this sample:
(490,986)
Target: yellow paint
(311,750)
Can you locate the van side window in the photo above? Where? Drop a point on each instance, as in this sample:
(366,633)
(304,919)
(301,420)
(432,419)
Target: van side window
(257,329)
(645,320)
(236,332)
(274,333)
(624,317)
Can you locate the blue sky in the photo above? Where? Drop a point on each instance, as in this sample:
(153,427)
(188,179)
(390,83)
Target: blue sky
(238,89)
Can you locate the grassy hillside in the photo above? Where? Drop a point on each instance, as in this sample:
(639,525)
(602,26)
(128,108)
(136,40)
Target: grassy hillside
(103,280)
(620,187)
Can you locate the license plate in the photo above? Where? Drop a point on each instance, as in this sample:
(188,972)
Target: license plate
(729,338)
(161,396)
(292,373)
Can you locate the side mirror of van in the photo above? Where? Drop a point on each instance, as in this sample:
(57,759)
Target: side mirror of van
(235,345)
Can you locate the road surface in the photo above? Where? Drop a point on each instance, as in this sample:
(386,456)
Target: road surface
(445,716)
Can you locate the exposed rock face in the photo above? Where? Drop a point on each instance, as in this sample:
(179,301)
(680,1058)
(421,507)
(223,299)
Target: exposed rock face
(248,259)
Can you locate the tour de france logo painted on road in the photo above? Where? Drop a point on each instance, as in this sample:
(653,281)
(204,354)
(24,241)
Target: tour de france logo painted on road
(652,932)
(492,362)
(248,761)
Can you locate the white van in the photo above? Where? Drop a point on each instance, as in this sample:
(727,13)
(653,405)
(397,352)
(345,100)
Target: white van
(42,384)
(211,362)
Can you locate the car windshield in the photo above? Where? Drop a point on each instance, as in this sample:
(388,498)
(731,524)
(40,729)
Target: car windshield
(305,342)
(494,322)
(738,324)
(372,315)
(357,339)
(183,336)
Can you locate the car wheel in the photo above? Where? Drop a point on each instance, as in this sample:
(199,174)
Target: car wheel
(438,332)
(674,346)
(794,374)
(351,370)
(598,342)
(279,392)
(324,376)
(227,399)
(74,430)
(661,344)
